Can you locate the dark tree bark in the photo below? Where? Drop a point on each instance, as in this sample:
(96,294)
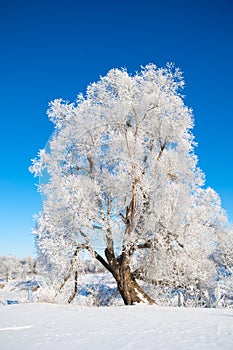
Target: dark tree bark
(130,290)
(71,298)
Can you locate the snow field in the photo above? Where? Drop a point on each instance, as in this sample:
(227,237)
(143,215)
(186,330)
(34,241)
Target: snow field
(55,327)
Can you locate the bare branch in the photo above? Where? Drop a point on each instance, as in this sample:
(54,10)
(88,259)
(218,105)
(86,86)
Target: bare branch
(77,168)
(123,218)
(162,147)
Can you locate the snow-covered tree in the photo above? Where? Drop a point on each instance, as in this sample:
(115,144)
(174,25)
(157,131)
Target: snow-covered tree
(121,173)
(9,266)
(13,267)
(223,259)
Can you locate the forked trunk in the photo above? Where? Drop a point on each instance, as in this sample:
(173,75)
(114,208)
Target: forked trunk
(128,287)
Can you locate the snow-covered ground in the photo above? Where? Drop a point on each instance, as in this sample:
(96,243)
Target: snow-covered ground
(49,326)
(32,325)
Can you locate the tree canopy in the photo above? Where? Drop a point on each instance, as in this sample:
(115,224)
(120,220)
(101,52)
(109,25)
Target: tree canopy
(124,185)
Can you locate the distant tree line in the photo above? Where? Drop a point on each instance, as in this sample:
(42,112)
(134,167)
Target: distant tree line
(12,267)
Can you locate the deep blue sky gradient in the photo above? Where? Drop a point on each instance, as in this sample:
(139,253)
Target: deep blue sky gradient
(52,49)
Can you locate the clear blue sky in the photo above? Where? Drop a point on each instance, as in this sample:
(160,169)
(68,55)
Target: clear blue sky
(52,49)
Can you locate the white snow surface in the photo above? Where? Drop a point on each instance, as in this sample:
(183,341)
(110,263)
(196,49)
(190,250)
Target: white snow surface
(50,326)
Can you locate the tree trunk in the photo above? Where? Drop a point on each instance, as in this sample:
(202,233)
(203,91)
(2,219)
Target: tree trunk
(129,289)
(73,295)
